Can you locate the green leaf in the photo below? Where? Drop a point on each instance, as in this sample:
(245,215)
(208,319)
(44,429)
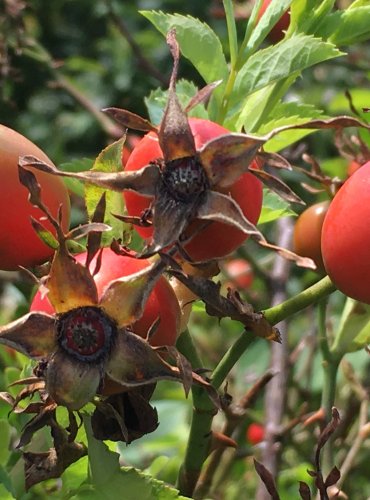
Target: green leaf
(157,100)
(197,41)
(5,440)
(354,329)
(347,27)
(280,61)
(273,208)
(288,113)
(79,165)
(109,160)
(107,477)
(270,17)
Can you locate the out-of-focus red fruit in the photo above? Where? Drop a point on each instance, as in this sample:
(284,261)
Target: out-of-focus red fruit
(277,32)
(307,233)
(239,272)
(132,140)
(352,167)
(255,433)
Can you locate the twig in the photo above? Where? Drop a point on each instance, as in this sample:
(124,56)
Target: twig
(276,392)
(145,64)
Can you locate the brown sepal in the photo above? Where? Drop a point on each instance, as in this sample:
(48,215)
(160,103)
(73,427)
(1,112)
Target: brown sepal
(130,120)
(125,417)
(202,96)
(277,185)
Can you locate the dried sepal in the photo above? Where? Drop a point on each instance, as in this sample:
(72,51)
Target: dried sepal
(202,95)
(276,185)
(175,137)
(124,299)
(227,157)
(130,120)
(70,284)
(125,417)
(94,238)
(32,334)
(143,180)
(221,208)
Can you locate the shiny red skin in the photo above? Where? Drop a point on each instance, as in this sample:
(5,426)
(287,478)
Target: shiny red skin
(277,32)
(19,243)
(162,302)
(307,233)
(216,240)
(240,273)
(345,241)
(255,433)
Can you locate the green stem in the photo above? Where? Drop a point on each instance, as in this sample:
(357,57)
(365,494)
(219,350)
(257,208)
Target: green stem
(304,299)
(330,366)
(204,411)
(231,31)
(225,98)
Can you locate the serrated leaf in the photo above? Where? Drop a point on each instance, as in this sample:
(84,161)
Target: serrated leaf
(108,478)
(280,61)
(272,14)
(347,27)
(109,160)
(273,208)
(197,41)
(354,329)
(157,100)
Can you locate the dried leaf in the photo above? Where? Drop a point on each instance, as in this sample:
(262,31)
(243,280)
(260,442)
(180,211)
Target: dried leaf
(326,434)
(304,491)
(175,137)
(333,477)
(267,479)
(130,120)
(233,307)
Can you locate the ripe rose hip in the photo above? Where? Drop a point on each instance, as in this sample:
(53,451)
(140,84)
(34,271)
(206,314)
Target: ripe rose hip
(345,239)
(239,272)
(162,302)
(307,233)
(217,239)
(19,243)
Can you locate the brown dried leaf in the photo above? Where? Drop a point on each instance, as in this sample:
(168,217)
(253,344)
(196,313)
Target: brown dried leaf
(326,434)
(86,229)
(304,491)
(51,464)
(130,120)
(267,479)
(333,477)
(232,307)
